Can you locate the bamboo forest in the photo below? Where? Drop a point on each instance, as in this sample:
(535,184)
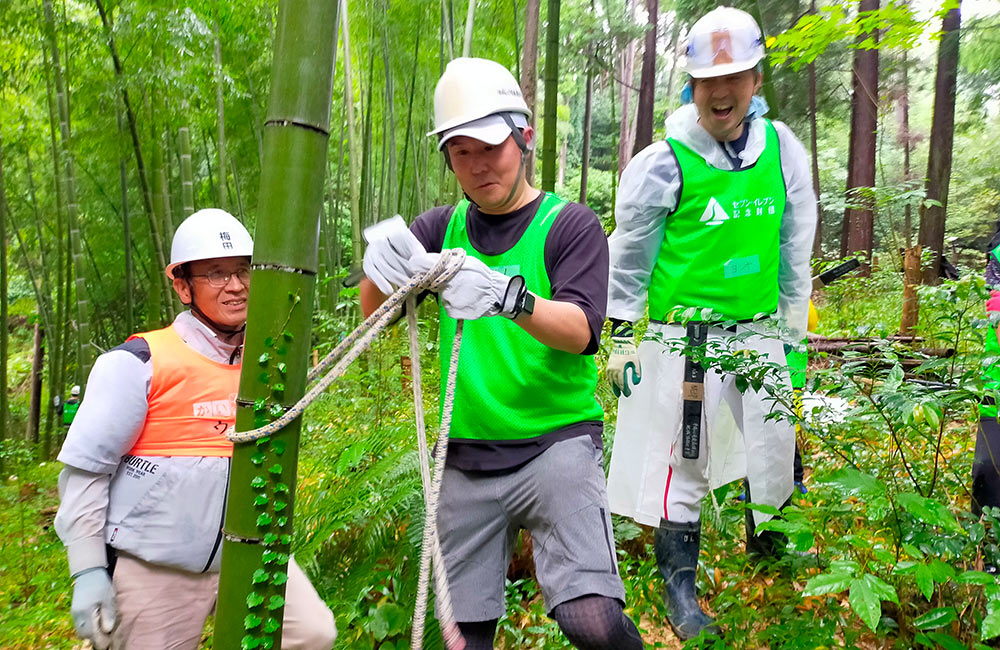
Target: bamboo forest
(400,406)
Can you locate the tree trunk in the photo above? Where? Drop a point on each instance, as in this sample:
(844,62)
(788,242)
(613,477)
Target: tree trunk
(409,118)
(389,128)
(529,75)
(220,109)
(647,85)
(352,145)
(858,230)
(674,36)
(35,403)
(57,337)
(258,536)
(626,133)
(186,171)
(549,128)
(4,324)
(818,239)
(46,284)
(911,278)
(126,227)
(84,346)
(470,21)
(932,216)
(907,142)
(587,115)
(767,83)
(563,153)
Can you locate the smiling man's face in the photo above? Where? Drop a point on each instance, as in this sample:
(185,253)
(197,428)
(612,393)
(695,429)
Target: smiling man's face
(723,102)
(490,174)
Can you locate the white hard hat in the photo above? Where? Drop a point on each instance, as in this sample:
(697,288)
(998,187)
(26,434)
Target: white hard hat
(208,234)
(75,391)
(471,89)
(723,41)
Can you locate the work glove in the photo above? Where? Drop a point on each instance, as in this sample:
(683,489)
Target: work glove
(477,290)
(391,247)
(93,607)
(624,358)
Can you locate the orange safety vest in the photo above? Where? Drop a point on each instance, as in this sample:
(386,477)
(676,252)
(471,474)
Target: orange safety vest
(192,400)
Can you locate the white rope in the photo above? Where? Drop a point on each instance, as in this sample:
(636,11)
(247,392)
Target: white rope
(342,356)
(431,545)
(358,340)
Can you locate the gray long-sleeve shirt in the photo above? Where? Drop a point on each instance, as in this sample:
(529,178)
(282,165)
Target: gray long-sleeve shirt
(109,422)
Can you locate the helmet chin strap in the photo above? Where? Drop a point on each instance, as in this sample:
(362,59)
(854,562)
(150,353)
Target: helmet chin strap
(523,146)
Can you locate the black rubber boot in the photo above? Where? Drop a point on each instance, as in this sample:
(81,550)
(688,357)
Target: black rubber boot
(677,546)
(767,544)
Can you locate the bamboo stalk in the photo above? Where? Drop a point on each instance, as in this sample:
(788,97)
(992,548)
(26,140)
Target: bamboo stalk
(260,503)
(187,173)
(84,348)
(549,119)
(4,404)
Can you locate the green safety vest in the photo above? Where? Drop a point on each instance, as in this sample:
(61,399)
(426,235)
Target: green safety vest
(720,246)
(69,412)
(993,370)
(510,386)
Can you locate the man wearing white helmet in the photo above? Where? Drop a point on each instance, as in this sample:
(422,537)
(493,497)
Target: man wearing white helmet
(147,463)
(525,449)
(720,216)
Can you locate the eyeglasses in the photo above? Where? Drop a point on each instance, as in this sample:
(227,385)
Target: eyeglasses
(222,278)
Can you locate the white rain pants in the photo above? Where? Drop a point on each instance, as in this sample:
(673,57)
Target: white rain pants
(650,481)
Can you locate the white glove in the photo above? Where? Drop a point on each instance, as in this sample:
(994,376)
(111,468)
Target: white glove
(477,290)
(93,607)
(391,246)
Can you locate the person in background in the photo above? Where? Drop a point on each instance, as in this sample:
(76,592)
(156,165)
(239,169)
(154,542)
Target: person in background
(67,410)
(986,463)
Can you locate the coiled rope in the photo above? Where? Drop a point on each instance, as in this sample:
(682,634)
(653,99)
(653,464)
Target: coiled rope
(345,353)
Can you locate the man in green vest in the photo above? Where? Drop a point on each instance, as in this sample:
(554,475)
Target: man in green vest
(720,216)
(68,410)
(525,447)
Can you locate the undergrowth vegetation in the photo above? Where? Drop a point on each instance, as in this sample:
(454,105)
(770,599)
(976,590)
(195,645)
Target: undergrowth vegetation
(882,552)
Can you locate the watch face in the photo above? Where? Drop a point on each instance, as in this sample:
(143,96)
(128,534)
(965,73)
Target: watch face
(529,303)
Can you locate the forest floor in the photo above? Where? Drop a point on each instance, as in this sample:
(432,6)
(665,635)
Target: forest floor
(891,557)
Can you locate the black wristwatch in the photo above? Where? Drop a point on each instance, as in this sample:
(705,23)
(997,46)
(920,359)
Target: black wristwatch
(529,303)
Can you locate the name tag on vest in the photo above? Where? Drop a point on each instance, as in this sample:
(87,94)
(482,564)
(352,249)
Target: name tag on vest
(740,266)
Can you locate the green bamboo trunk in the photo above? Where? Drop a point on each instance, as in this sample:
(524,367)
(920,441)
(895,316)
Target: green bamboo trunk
(352,146)
(85,356)
(259,507)
(155,233)
(187,175)
(549,129)
(57,348)
(220,121)
(4,407)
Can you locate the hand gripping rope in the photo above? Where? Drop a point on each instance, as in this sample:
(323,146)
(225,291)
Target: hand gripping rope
(343,355)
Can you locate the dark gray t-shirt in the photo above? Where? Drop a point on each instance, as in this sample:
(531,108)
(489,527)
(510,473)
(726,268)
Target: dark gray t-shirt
(576,260)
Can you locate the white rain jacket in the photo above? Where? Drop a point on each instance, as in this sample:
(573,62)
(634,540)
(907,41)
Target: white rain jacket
(648,193)
(648,480)
(164,510)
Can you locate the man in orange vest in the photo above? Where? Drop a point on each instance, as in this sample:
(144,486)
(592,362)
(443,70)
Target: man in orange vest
(147,463)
